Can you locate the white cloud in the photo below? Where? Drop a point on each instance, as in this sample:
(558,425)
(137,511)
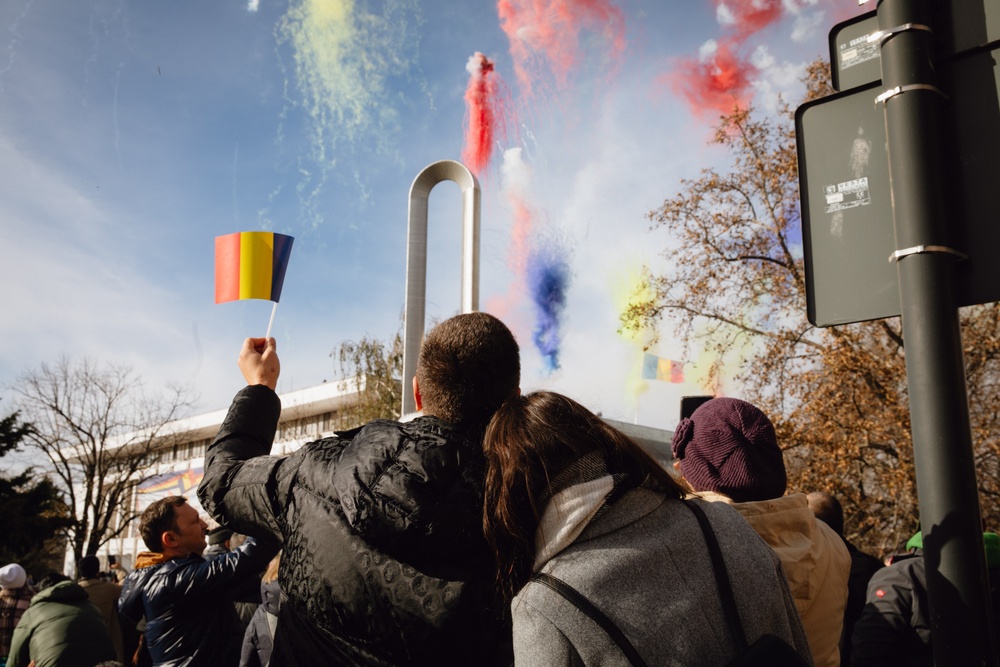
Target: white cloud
(797,6)
(807,26)
(776,81)
(761,57)
(253,5)
(724,15)
(708,49)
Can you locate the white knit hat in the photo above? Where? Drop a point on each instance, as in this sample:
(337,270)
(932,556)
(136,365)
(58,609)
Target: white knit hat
(12,576)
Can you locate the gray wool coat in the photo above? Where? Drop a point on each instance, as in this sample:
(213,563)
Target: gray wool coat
(643,562)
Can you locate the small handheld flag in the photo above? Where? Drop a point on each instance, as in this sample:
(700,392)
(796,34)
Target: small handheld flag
(251,265)
(656,368)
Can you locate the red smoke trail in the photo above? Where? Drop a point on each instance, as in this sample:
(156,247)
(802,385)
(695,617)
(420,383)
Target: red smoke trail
(720,80)
(547,32)
(487,109)
(718,83)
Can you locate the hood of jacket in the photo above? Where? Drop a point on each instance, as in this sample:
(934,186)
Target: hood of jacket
(64,591)
(816,563)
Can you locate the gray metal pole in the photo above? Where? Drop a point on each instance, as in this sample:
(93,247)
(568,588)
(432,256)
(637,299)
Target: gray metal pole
(416,259)
(957,583)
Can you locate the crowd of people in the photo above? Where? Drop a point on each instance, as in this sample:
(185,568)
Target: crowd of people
(495,528)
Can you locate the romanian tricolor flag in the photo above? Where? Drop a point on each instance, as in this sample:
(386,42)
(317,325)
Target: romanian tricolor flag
(250,265)
(656,368)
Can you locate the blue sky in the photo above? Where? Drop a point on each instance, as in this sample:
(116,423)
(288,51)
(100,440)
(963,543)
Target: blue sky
(133,133)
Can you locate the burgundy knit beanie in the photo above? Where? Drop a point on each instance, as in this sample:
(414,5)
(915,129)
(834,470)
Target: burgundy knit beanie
(729,446)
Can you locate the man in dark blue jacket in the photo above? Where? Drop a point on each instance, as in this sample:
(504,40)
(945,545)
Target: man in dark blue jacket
(185,599)
(384,561)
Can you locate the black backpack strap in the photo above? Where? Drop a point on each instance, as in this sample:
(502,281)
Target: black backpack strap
(595,614)
(721,578)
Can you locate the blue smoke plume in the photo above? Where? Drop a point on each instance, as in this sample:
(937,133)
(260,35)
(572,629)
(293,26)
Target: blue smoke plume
(547,281)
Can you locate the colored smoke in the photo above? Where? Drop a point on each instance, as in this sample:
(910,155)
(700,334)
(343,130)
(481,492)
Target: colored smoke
(547,280)
(517,180)
(486,113)
(718,81)
(721,77)
(545,35)
(538,261)
(344,61)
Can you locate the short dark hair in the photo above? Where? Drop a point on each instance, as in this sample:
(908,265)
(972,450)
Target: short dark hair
(468,366)
(158,518)
(88,567)
(827,509)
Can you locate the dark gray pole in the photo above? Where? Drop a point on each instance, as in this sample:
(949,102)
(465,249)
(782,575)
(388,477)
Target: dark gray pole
(957,584)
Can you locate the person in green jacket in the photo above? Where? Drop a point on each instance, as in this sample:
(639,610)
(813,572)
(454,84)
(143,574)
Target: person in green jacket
(61,628)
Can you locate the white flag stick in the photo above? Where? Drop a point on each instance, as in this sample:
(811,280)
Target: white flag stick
(267,336)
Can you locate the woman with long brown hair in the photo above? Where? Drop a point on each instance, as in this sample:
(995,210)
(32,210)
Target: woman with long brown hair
(570,497)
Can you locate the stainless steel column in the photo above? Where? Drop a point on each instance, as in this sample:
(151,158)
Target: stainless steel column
(416,259)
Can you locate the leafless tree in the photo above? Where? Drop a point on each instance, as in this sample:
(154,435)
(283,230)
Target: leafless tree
(100,431)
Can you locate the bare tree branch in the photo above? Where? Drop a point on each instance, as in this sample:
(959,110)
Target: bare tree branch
(99,431)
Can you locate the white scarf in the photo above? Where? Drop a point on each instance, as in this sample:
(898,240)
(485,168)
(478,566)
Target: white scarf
(566,515)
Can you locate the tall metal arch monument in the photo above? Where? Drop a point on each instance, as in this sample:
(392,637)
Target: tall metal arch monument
(416,259)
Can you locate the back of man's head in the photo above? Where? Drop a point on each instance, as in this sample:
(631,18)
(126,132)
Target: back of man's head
(468,366)
(88,567)
(827,509)
(157,519)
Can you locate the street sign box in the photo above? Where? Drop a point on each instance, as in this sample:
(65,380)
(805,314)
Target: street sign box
(966,26)
(854,61)
(847,223)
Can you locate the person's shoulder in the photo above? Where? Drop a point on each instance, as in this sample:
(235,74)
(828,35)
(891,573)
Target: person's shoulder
(730,525)
(176,568)
(391,433)
(899,581)
(111,586)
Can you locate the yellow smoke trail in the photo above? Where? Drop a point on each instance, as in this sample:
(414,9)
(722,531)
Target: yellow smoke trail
(627,289)
(346,60)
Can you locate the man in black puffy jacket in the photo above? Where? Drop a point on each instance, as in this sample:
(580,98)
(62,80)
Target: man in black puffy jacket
(384,560)
(185,599)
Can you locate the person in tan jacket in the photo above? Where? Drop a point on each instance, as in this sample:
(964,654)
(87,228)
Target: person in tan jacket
(104,595)
(727,451)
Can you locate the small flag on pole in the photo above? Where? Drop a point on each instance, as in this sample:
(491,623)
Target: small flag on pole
(657,368)
(250,265)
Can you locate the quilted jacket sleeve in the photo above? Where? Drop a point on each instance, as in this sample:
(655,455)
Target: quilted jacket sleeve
(244,488)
